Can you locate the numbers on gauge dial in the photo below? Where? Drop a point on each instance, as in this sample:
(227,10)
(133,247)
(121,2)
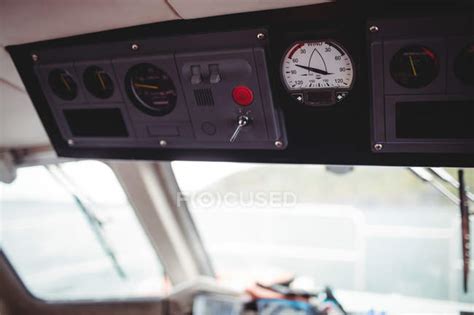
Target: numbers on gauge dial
(317,65)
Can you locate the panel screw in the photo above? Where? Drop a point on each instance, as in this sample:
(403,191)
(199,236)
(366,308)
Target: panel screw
(135,47)
(278,144)
(261,36)
(70,142)
(34,57)
(374,29)
(163,143)
(378,147)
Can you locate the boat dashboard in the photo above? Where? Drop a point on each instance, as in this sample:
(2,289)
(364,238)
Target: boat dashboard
(333,83)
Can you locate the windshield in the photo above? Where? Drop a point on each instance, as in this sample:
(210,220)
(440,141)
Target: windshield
(367,229)
(70,233)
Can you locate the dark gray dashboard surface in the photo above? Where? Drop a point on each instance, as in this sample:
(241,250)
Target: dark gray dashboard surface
(282,130)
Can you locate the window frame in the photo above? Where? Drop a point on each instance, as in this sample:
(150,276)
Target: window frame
(149,187)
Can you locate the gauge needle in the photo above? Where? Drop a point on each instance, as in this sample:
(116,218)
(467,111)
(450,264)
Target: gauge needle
(65,82)
(314,70)
(412,64)
(146,86)
(101,80)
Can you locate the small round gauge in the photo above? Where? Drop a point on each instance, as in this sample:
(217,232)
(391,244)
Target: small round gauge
(98,82)
(414,67)
(464,65)
(62,84)
(317,73)
(151,89)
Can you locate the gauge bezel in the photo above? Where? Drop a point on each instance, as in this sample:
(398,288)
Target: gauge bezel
(90,90)
(411,46)
(457,65)
(337,44)
(305,91)
(56,91)
(137,100)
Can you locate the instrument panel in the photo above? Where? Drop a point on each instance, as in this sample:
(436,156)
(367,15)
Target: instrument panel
(177,98)
(328,84)
(422,86)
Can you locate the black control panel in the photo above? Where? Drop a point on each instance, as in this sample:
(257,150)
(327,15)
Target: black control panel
(422,85)
(347,82)
(171,92)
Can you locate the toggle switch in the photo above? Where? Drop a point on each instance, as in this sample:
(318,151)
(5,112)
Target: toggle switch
(196,76)
(214,75)
(242,121)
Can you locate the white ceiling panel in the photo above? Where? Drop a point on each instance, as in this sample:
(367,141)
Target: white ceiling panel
(24,21)
(7,69)
(19,123)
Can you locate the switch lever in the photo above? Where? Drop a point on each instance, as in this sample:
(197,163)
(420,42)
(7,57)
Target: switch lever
(242,122)
(214,76)
(196,76)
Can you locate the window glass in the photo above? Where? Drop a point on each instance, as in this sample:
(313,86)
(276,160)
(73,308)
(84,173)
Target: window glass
(70,233)
(379,230)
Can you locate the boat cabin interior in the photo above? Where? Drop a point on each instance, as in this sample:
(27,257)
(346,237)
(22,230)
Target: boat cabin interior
(254,157)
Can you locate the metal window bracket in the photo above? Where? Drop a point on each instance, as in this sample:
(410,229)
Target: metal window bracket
(153,192)
(7,167)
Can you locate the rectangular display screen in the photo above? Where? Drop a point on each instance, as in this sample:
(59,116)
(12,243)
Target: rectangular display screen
(435,120)
(104,122)
(320,97)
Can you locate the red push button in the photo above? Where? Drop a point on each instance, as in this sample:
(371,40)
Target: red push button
(242,95)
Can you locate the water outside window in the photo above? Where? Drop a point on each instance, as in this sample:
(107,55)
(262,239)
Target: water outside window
(379,230)
(69,248)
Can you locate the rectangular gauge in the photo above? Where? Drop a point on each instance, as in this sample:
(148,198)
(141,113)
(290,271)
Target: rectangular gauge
(104,122)
(320,98)
(435,120)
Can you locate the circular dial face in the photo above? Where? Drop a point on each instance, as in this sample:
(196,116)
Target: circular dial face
(464,65)
(62,84)
(151,89)
(317,65)
(98,82)
(414,67)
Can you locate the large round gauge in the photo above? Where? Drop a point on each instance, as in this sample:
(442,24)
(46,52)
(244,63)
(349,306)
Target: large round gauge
(317,73)
(151,89)
(464,65)
(62,84)
(98,82)
(414,67)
